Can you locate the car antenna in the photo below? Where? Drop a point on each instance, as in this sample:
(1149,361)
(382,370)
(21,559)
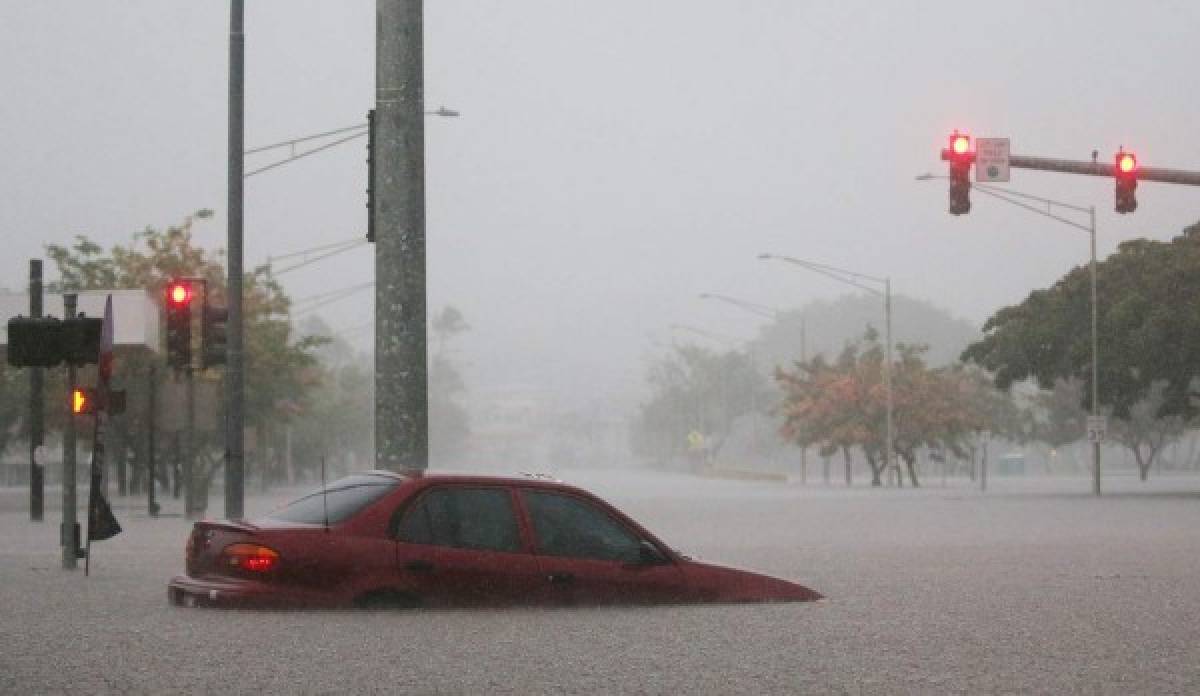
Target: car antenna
(324,495)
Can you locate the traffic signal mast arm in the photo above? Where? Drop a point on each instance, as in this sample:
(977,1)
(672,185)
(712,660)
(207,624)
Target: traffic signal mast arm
(1048,164)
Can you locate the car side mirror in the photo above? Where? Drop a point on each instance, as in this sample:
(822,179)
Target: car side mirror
(649,555)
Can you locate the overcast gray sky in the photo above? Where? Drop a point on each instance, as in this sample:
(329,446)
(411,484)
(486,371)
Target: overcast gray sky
(614,158)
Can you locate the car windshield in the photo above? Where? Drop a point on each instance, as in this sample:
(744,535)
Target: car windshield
(337,502)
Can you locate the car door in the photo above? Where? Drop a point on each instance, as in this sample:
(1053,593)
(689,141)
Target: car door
(588,555)
(461,545)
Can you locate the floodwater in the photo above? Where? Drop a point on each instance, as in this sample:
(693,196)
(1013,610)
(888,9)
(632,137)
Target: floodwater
(1034,587)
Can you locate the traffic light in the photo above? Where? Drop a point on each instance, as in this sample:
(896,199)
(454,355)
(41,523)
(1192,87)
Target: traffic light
(371,175)
(213,335)
(1125,174)
(961,158)
(179,296)
(83,401)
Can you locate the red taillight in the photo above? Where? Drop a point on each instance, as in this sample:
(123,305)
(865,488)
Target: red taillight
(251,557)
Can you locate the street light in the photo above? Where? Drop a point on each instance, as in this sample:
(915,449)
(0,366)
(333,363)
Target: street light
(857,280)
(443,112)
(1090,228)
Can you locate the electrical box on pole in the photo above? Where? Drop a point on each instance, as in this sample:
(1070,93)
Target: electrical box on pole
(371,176)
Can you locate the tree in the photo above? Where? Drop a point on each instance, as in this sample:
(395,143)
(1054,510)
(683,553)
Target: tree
(696,389)
(842,405)
(1145,431)
(280,369)
(1149,332)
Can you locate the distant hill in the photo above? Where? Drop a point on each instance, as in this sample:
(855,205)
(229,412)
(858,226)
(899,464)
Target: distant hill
(830,325)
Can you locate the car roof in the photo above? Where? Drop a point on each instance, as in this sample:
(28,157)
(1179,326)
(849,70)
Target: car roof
(518,479)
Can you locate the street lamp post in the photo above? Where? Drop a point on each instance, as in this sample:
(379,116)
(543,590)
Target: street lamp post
(1090,228)
(856,280)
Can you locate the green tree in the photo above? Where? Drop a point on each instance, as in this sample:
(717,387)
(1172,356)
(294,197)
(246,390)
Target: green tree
(693,388)
(1149,331)
(280,369)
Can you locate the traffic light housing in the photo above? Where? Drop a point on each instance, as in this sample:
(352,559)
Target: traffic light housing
(213,335)
(961,157)
(1125,174)
(179,295)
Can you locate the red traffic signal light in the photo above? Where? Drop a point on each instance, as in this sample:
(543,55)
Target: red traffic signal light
(960,144)
(1126,162)
(179,293)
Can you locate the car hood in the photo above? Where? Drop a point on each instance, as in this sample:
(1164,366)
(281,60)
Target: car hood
(719,583)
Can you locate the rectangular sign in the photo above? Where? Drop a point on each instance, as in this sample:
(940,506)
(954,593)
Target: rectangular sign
(991,159)
(1097,428)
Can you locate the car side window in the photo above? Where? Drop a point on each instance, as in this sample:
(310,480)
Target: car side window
(576,528)
(462,517)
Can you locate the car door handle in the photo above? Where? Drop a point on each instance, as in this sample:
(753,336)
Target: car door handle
(561,578)
(419,566)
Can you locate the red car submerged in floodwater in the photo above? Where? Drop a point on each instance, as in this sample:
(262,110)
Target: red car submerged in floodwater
(386,539)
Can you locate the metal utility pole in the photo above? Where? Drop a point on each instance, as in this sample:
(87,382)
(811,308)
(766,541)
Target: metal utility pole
(235,377)
(69,535)
(37,405)
(401,389)
(857,280)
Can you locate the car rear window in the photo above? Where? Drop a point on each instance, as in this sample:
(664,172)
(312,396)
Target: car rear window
(343,499)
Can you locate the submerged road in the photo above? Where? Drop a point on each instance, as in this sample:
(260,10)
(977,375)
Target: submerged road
(1036,587)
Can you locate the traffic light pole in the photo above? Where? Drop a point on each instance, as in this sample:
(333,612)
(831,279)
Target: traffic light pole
(1003,194)
(69,531)
(37,405)
(401,388)
(151,440)
(1047,164)
(189,444)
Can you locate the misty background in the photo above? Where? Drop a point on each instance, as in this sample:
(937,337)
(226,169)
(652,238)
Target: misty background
(612,161)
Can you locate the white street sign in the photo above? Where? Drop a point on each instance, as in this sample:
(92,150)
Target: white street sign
(1097,428)
(991,159)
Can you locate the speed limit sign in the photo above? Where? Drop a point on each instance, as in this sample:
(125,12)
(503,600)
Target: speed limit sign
(1097,428)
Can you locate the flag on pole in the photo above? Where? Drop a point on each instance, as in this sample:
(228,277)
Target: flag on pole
(102,523)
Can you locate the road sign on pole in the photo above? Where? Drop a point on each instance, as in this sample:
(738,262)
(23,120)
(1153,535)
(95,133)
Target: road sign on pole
(991,159)
(1097,428)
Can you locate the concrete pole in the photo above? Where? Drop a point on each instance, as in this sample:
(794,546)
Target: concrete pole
(235,376)
(37,405)
(1095,357)
(401,389)
(69,533)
